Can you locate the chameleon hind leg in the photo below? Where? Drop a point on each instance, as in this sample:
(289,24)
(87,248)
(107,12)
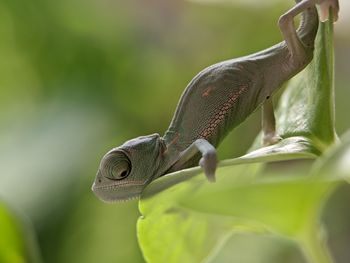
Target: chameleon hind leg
(297,52)
(286,24)
(269,135)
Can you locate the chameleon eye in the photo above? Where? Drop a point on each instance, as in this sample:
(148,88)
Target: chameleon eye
(116,165)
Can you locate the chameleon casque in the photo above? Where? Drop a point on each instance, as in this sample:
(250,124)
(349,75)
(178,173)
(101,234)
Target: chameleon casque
(217,99)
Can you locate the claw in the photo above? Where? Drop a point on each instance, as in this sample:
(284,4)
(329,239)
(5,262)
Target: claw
(325,6)
(208,163)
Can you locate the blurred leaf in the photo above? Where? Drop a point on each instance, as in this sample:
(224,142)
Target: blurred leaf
(336,161)
(104,233)
(17,242)
(52,148)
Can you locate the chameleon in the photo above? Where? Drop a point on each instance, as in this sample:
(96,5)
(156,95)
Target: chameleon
(215,101)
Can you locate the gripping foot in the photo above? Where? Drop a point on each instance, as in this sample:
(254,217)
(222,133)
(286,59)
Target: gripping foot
(208,161)
(269,124)
(325,6)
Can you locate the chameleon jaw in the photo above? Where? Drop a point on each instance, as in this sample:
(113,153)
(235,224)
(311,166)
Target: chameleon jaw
(117,192)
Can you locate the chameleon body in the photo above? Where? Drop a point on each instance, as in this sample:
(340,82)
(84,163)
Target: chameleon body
(218,99)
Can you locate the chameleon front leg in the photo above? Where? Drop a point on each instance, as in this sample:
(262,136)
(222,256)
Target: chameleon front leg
(269,124)
(208,161)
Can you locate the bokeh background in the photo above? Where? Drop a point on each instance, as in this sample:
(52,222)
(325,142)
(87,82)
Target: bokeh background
(79,77)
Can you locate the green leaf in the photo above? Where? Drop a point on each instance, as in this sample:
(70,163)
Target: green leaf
(307,106)
(17,242)
(296,147)
(190,221)
(170,232)
(261,200)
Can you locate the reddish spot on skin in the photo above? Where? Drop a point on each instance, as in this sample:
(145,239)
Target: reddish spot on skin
(207,91)
(173,141)
(239,66)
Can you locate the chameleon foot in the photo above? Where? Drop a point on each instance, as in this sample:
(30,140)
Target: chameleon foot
(269,124)
(208,163)
(270,138)
(325,5)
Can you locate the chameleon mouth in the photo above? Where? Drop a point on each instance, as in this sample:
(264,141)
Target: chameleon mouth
(118,192)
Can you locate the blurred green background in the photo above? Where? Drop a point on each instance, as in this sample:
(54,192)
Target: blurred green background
(79,77)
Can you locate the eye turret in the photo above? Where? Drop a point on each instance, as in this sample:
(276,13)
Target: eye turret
(116,165)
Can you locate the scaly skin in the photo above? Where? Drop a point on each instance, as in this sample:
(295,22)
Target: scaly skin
(218,99)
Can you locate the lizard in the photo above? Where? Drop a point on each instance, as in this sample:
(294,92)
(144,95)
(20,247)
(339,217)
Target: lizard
(215,101)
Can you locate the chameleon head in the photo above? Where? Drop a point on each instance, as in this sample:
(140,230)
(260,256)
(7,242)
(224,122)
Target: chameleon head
(126,170)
